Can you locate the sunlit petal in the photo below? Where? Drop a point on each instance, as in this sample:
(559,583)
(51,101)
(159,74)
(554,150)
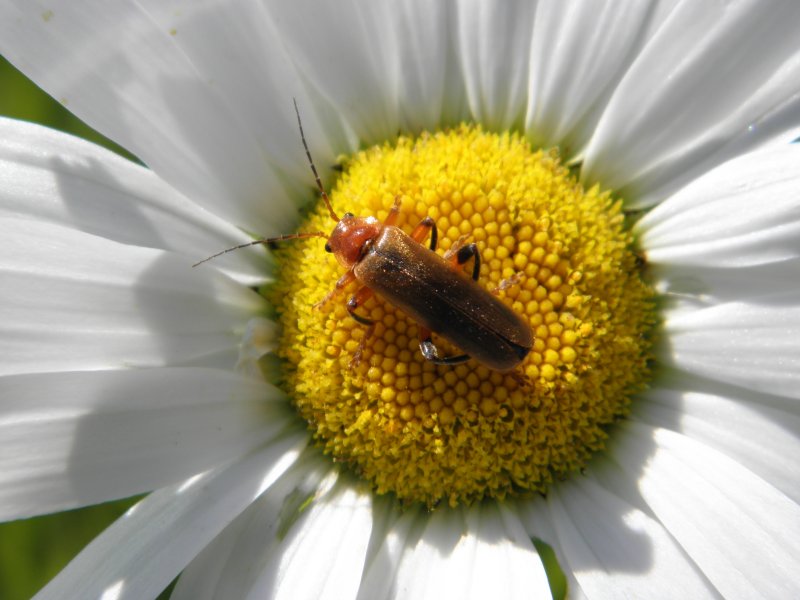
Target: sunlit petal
(743,213)
(75,301)
(751,343)
(715,80)
(140,74)
(614,549)
(575,64)
(141,553)
(94,436)
(51,177)
(736,527)
(756,430)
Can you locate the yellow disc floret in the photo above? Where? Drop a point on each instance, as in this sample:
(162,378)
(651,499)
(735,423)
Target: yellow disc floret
(557,254)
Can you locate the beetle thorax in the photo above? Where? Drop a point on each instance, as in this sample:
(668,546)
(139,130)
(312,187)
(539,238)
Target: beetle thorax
(350,236)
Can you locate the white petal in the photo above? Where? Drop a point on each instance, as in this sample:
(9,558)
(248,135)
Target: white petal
(250,548)
(348,51)
(743,213)
(752,343)
(739,530)
(536,517)
(575,64)
(72,301)
(615,550)
(476,553)
(74,439)
(493,41)
(127,70)
(323,553)
(260,338)
(688,287)
(380,67)
(393,531)
(741,424)
(431,91)
(205,577)
(49,176)
(239,50)
(714,81)
(513,555)
(305,538)
(144,550)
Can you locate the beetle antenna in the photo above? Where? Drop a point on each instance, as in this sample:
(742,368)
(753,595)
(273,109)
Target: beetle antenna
(280,238)
(313,168)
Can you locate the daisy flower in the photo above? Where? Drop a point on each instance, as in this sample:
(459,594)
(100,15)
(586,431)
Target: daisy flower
(624,169)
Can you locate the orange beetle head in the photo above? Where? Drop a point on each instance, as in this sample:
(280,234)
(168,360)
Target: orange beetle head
(348,241)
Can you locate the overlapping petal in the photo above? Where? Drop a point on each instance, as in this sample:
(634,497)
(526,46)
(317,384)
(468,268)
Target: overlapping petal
(141,74)
(715,80)
(461,553)
(614,548)
(577,57)
(74,439)
(493,41)
(336,523)
(756,430)
(738,529)
(51,177)
(306,537)
(397,56)
(247,554)
(431,90)
(72,301)
(750,343)
(743,213)
(142,552)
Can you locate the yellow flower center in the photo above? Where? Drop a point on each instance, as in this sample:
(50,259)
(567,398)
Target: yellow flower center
(561,258)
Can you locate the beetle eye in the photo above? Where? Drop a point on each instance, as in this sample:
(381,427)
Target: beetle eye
(348,216)
(328,247)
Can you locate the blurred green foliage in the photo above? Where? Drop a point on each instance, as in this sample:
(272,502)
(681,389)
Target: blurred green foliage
(32,551)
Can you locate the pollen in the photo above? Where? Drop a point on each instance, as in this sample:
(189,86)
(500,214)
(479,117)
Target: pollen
(558,255)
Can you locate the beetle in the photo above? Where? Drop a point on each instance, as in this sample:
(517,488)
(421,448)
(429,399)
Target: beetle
(426,286)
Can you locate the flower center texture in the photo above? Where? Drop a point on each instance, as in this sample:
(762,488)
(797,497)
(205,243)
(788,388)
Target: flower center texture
(558,255)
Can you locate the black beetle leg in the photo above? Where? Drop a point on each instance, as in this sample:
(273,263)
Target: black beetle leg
(420,231)
(356,300)
(465,253)
(431,353)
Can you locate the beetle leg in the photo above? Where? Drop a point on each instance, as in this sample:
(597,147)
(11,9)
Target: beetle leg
(420,231)
(394,212)
(455,247)
(342,283)
(362,295)
(459,254)
(356,360)
(356,300)
(431,353)
(465,253)
(509,282)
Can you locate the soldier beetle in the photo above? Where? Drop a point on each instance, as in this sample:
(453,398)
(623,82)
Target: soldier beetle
(426,286)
